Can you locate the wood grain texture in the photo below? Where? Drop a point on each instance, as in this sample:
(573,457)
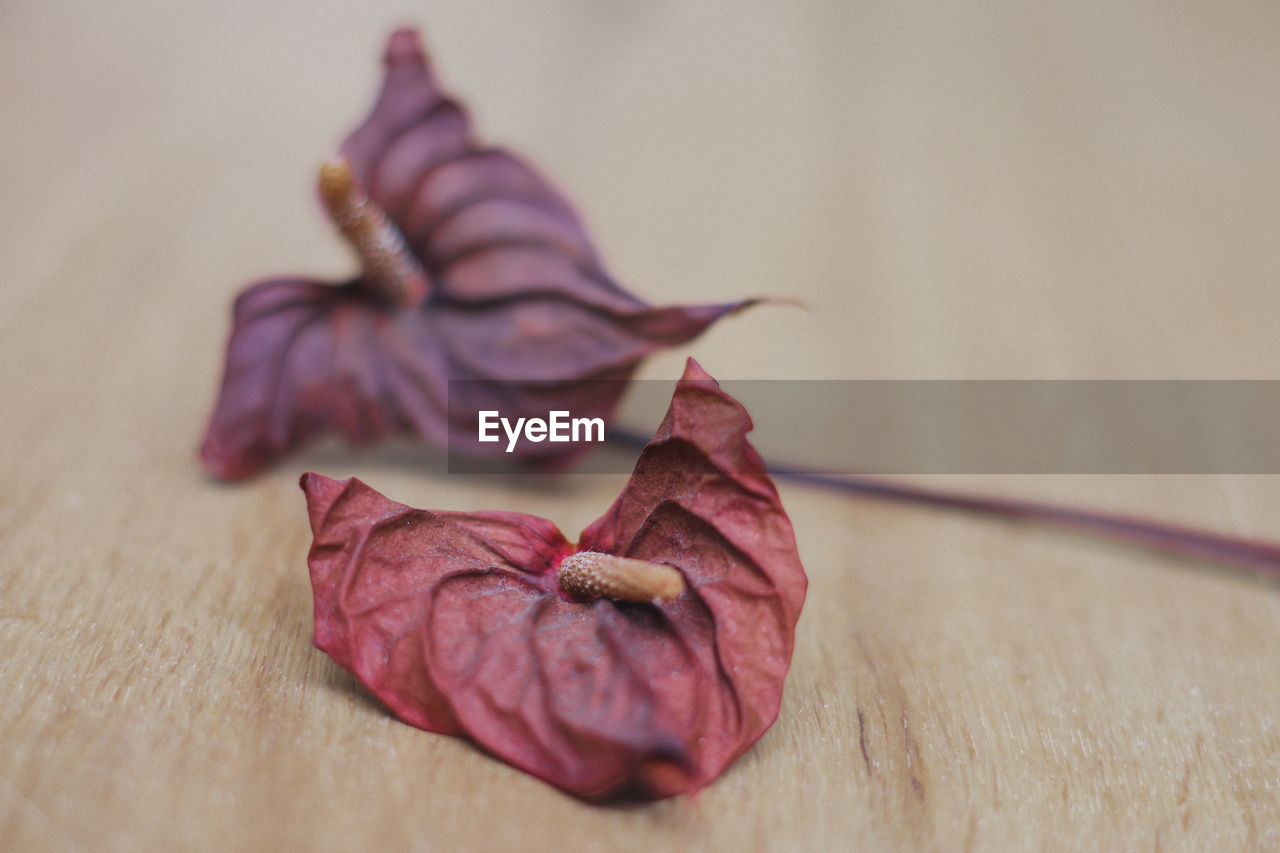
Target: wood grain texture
(957,190)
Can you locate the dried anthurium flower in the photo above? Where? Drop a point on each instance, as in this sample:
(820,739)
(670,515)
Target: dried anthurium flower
(639,662)
(472,267)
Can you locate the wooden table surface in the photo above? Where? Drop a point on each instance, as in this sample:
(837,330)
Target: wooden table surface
(956,190)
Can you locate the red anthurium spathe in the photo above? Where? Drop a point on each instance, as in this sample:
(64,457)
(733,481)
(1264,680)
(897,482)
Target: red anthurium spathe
(472,267)
(639,662)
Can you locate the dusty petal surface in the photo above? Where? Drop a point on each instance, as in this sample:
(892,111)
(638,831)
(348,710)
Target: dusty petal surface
(457,623)
(515,293)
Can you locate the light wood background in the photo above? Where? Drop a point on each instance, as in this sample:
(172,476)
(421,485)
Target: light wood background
(955,189)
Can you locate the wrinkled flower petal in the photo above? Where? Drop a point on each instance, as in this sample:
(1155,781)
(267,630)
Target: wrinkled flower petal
(516,293)
(457,623)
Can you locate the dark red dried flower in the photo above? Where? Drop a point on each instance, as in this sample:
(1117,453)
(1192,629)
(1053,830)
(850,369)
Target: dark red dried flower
(473,267)
(483,625)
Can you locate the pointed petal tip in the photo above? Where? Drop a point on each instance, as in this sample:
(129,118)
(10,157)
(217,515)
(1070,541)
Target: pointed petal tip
(785,301)
(667,776)
(314,484)
(322,493)
(222,466)
(694,372)
(404,46)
